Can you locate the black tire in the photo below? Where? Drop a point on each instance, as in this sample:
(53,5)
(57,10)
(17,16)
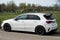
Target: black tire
(7,27)
(40,30)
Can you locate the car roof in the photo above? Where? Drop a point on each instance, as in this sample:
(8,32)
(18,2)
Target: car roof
(35,13)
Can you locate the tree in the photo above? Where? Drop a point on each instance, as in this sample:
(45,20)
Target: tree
(28,6)
(22,6)
(57,4)
(11,6)
(33,7)
(2,7)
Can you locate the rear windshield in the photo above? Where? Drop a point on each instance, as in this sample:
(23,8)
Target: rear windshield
(49,16)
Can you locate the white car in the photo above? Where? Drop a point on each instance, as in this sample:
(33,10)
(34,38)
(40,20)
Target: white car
(40,23)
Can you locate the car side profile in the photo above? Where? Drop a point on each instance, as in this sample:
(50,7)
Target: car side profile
(39,23)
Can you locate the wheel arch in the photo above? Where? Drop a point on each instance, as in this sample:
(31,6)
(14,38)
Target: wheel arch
(7,23)
(7,27)
(40,26)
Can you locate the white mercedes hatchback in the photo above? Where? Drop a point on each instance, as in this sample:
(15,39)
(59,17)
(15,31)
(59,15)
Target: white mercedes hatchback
(40,23)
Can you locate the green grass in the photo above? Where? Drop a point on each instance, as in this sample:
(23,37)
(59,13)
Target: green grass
(57,16)
(7,15)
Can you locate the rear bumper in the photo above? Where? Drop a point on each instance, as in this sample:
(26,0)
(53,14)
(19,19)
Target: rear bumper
(54,30)
(51,29)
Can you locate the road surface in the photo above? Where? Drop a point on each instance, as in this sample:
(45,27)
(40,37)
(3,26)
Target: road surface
(14,35)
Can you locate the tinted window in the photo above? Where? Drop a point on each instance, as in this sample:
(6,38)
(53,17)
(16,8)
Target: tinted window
(48,16)
(33,17)
(23,17)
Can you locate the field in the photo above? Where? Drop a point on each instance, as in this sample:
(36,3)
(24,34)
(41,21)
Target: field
(8,15)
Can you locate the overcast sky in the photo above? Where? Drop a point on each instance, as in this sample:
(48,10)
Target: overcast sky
(37,2)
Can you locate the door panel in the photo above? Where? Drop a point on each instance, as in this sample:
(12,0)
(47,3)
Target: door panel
(30,25)
(31,22)
(18,23)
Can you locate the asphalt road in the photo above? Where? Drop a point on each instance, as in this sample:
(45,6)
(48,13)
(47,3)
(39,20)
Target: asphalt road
(15,35)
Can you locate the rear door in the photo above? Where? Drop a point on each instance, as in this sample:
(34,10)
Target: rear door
(31,22)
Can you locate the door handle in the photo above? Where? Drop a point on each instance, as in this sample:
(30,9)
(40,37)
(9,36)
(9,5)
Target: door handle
(35,22)
(22,21)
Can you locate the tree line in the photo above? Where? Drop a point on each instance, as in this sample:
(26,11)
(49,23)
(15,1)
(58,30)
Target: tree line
(11,7)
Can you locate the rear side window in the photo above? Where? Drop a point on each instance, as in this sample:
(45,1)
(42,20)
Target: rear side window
(49,16)
(33,17)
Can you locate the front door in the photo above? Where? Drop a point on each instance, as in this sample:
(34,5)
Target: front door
(19,24)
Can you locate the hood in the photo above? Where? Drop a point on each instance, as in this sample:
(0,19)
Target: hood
(9,20)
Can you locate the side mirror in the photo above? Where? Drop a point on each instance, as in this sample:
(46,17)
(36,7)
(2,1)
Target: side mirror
(15,19)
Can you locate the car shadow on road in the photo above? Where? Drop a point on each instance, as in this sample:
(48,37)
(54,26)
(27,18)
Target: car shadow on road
(57,33)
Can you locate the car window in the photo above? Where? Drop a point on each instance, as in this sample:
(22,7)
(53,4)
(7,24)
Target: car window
(48,16)
(22,17)
(33,17)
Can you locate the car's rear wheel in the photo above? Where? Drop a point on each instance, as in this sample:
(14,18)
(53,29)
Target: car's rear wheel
(40,30)
(7,27)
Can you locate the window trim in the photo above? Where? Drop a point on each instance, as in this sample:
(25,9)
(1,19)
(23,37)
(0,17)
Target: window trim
(20,16)
(33,19)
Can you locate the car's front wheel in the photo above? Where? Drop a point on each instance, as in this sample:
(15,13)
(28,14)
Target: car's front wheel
(7,27)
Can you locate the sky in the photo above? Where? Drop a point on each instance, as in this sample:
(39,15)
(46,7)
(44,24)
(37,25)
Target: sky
(37,2)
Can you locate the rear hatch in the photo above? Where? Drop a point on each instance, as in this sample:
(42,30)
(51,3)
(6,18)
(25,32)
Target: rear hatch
(50,20)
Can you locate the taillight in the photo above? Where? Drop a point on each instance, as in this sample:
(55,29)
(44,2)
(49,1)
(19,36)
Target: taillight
(48,22)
